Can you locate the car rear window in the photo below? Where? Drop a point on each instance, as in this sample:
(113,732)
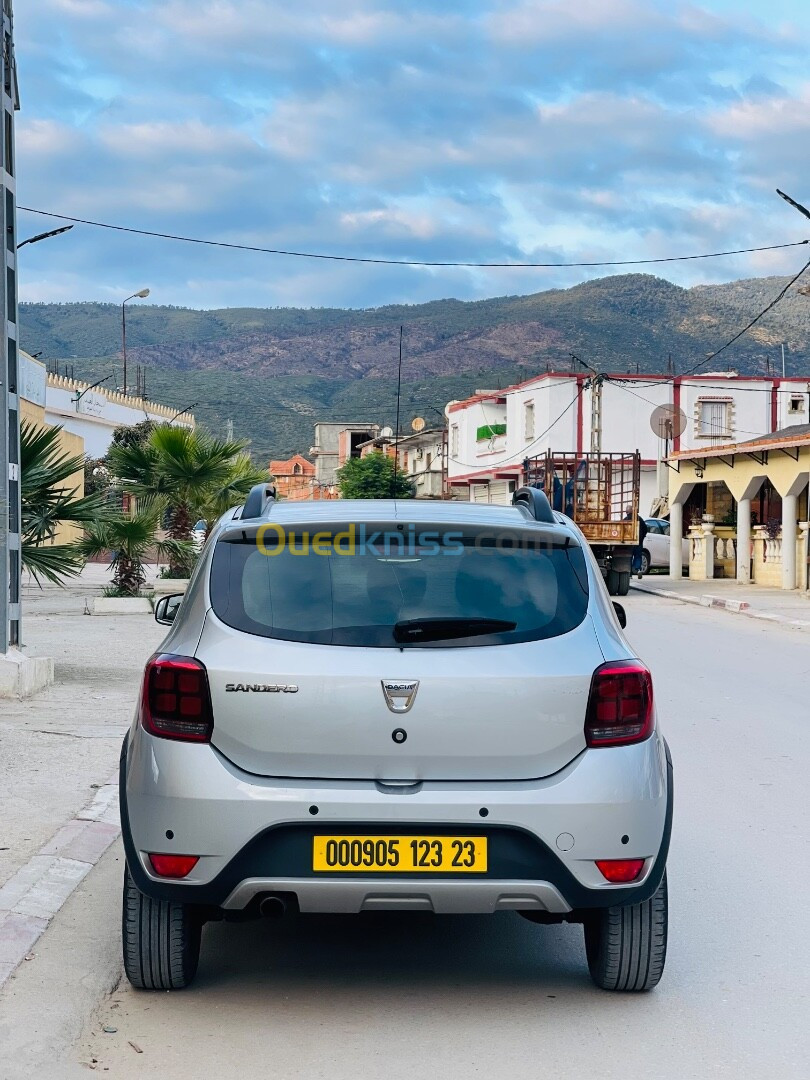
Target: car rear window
(334,593)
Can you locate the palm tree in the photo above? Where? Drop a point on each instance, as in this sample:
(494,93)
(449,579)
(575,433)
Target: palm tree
(231,491)
(48,501)
(182,466)
(130,537)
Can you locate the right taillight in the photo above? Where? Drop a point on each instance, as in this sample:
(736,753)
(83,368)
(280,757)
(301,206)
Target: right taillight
(176,700)
(620,706)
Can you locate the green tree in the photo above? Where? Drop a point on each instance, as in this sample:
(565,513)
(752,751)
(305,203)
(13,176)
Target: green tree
(130,538)
(48,501)
(133,434)
(230,491)
(181,466)
(373,477)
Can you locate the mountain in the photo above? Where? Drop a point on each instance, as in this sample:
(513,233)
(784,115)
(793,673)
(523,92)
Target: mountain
(274,371)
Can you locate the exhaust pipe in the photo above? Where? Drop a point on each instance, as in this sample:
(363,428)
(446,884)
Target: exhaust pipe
(273,907)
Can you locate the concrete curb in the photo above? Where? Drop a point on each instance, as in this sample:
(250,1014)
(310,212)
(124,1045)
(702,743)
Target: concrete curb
(121,605)
(737,607)
(23,676)
(32,897)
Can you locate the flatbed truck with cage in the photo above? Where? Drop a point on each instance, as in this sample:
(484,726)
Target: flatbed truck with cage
(600,493)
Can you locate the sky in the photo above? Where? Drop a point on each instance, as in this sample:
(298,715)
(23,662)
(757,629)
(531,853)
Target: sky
(449,130)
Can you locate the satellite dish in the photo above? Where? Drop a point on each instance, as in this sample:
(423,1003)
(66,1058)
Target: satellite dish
(667,422)
(418,424)
(448,406)
(386,432)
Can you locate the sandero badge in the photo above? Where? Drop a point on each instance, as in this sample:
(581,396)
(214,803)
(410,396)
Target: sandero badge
(260,688)
(399,693)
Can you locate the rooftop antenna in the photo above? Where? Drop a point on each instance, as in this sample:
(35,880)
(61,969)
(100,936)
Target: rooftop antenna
(396,429)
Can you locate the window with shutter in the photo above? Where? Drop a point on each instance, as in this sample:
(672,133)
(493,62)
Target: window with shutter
(713,419)
(528,420)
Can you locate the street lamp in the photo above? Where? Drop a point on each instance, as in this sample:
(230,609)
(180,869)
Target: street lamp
(44,236)
(188,408)
(136,295)
(92,386)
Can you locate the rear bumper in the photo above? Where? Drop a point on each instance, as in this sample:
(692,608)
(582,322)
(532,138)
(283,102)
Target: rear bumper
(254,834)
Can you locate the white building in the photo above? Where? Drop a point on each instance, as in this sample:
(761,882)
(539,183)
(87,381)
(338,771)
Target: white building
(494,431)
(94,414)
(422,458)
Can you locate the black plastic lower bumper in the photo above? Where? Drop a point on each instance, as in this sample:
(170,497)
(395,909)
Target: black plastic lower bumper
(285,851)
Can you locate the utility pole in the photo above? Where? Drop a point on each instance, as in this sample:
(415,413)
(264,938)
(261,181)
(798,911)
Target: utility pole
(595,385)
(10,511)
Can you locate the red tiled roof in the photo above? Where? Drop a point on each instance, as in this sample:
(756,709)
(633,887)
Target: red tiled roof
(283,468)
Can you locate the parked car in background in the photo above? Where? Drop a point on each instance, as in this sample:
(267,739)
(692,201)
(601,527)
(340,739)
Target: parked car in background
(198,534)
(656,546)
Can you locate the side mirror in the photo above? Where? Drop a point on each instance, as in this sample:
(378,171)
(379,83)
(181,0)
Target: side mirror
(167,607)
(621,614)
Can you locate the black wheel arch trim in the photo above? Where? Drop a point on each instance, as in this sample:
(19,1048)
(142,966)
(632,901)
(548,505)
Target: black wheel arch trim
(214,893)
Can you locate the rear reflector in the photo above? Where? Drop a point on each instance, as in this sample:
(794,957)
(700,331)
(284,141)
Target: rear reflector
(620,706)
(176,866)
(620,870)
(175,699)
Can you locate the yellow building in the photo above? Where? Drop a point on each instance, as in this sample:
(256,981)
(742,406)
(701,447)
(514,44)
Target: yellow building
(744,507)
(33,382)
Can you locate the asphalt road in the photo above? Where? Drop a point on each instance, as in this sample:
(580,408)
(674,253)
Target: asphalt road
(393,996)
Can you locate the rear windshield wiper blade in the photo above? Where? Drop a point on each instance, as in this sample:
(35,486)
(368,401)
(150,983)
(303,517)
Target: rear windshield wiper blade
(416,630)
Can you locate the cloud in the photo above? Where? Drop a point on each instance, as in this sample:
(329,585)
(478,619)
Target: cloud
(474,130)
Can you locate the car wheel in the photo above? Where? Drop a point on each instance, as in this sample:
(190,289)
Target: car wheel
(627,946)
(161,940)
(645,562)
(623,587)
(612,582)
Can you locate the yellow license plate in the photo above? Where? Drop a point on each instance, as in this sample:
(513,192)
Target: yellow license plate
(400,854)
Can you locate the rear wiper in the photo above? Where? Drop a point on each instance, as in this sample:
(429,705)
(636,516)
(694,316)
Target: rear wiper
(416,630)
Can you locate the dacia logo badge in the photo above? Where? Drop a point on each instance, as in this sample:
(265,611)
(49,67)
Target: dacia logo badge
(399,693)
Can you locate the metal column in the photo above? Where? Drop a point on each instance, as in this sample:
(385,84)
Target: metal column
(9,362)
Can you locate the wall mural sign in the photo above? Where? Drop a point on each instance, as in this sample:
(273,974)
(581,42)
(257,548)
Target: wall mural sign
(92,404)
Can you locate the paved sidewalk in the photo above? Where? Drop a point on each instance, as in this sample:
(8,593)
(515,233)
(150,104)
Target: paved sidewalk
(59,751)
(753,601)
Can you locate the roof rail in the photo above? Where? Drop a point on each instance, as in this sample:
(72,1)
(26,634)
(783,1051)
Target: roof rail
(258,498)
(533,501)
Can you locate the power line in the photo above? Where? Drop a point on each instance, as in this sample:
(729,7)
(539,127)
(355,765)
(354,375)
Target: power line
(405,262)
(656,404)
(730,385)
(745,329)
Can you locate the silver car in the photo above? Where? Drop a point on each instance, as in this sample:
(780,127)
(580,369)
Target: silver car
(395,706)
(655,550)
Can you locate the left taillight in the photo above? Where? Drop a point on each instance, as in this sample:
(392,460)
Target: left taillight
(176,700)
(620,706)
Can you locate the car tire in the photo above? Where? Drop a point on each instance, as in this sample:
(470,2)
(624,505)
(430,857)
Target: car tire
(161,940)
(645,562)
(623,587)
(627,946)
(612,582)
